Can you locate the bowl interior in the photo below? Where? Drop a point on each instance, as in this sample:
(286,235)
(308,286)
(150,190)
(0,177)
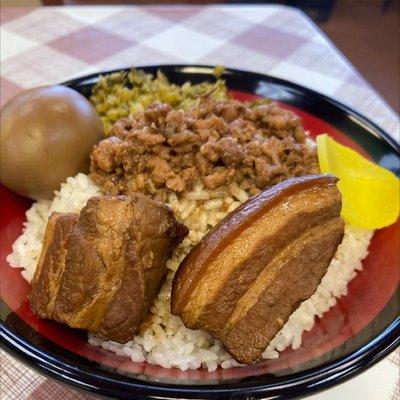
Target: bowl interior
(370,307)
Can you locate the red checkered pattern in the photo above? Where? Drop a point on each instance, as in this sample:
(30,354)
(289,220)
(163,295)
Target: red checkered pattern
(49,45)
(18,382)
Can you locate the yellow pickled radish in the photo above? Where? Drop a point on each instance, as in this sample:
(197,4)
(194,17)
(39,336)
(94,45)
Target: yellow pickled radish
(370,193)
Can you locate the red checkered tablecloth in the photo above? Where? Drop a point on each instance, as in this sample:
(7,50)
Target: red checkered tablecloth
(48,45)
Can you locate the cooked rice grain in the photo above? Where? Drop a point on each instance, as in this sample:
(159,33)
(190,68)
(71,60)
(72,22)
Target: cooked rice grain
(167,342)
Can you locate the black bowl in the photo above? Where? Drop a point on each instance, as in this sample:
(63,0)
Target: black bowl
(359,331)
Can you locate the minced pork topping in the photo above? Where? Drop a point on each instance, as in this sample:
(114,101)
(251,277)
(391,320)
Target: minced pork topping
(164,150)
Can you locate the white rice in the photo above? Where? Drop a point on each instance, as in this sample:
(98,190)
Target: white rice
(168,342)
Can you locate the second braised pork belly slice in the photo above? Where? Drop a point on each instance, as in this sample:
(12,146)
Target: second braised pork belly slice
(245,278)
(100,271)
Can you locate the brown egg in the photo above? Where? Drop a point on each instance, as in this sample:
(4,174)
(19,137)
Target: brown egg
(47,134)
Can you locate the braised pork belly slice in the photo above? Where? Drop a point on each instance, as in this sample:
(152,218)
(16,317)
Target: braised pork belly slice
(247,275)
(101,270)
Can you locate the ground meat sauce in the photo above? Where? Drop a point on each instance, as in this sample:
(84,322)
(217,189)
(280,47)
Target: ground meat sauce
(219,142)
